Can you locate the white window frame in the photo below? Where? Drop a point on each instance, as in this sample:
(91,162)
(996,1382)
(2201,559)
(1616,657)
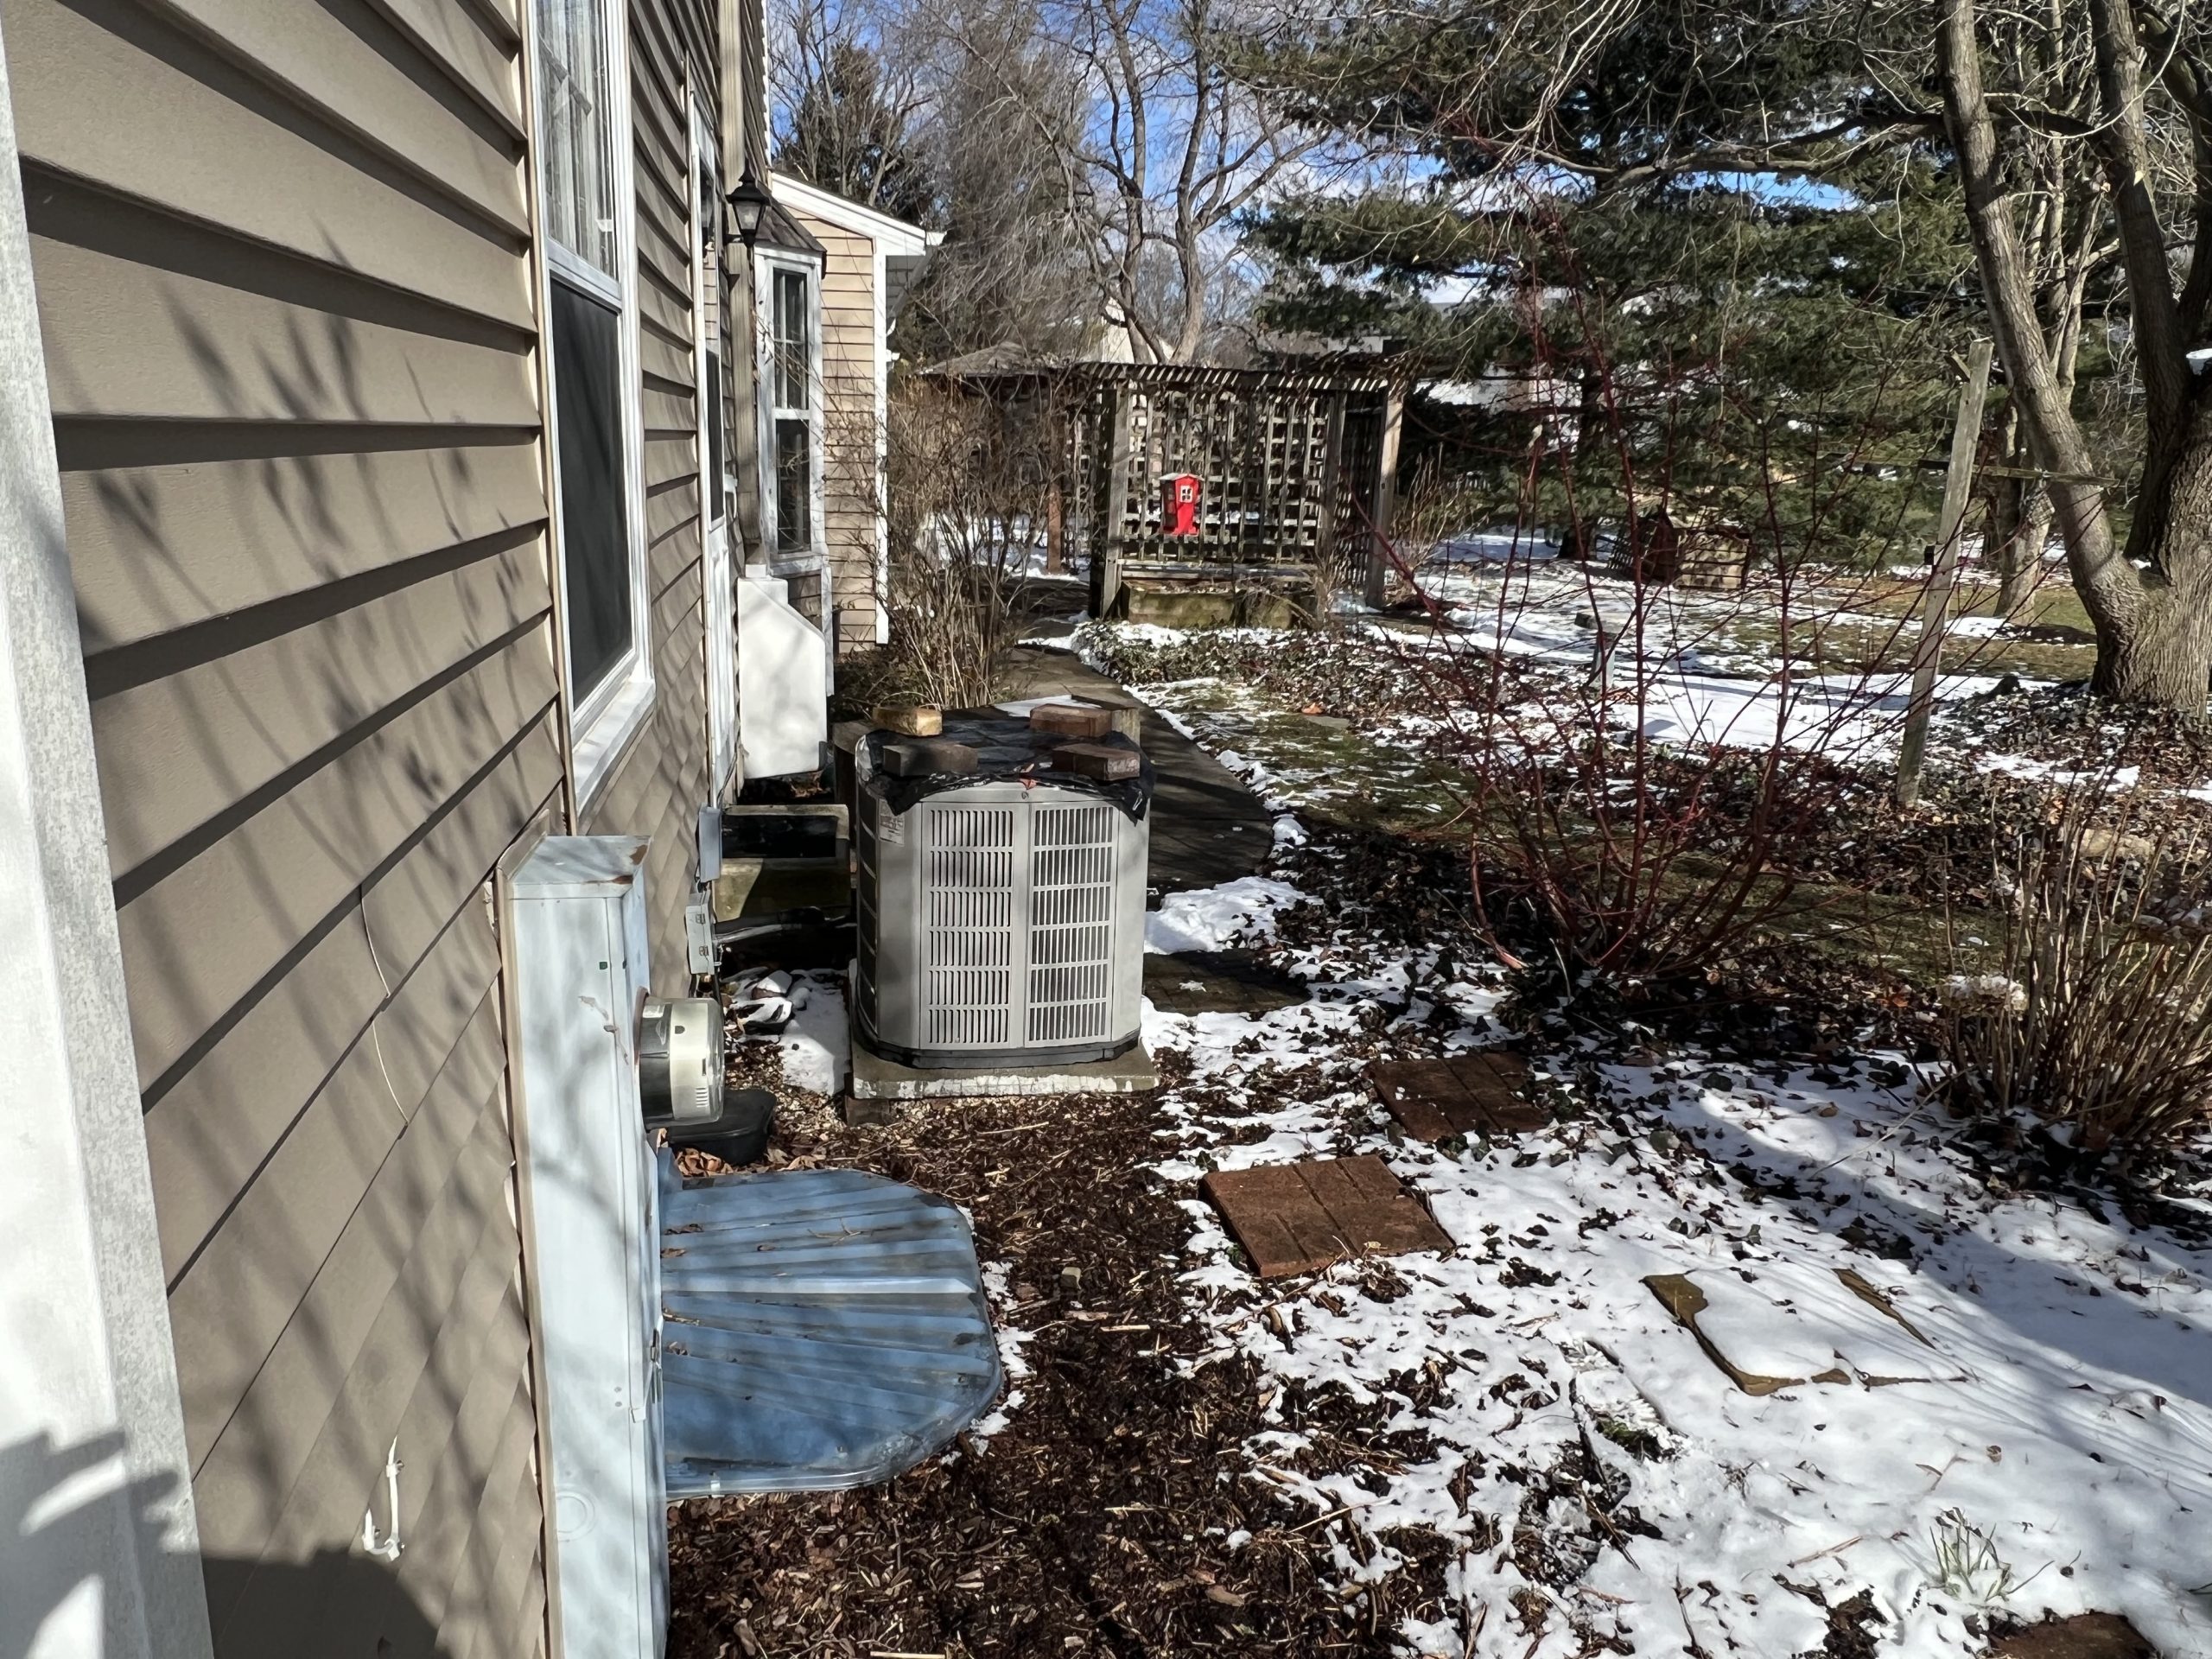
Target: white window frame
(767,262)
(718,494)
(719,611)
(601,726)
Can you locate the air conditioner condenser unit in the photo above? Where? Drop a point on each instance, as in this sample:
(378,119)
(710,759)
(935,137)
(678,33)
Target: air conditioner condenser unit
(1000,911)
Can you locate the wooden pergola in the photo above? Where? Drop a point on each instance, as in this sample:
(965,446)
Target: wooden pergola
(1295,469)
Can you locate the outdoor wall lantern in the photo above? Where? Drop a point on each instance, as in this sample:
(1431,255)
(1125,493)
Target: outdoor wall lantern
(748,205)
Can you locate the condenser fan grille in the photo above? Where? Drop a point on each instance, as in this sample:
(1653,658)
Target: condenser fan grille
(969,890)
(1070,923)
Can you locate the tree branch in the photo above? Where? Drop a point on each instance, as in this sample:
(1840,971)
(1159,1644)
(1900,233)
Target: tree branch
(2161,343)
(2109,586)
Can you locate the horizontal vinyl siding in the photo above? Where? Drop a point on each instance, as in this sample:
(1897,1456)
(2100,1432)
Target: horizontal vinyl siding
(280,248)
(660,783)
(850,463)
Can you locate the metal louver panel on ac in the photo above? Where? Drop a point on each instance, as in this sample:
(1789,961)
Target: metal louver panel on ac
(1070,923)
(968,888)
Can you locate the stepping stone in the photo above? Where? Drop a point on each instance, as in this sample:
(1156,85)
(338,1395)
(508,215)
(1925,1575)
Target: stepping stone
(1302,1217)
(1466,1095)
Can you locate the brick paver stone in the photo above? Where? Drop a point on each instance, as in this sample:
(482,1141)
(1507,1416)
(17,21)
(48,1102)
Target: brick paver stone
(1301,1218)
(1466,1095)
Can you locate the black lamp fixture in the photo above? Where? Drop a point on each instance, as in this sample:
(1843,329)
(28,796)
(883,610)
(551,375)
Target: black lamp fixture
(748,205)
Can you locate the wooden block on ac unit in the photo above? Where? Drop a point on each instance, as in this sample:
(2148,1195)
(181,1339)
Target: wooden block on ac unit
(913,720)
(1072,720)
(1109,765)
(920,757)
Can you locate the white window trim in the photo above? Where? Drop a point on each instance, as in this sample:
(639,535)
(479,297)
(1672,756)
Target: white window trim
(765,263)
(601,726)
(714,492)
(885,236)
(718,612)
(880,276)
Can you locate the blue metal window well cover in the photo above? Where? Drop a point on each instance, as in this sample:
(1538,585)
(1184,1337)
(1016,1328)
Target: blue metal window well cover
(821,1328)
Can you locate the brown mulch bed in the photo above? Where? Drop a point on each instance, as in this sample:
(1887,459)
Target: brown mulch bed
(1096,1521)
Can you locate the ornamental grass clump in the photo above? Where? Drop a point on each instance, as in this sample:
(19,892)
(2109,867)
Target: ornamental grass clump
(2090,1012)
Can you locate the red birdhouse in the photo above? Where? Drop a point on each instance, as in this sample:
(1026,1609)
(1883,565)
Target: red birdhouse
(1179,505)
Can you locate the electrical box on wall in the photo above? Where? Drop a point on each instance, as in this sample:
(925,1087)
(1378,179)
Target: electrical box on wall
(581,965)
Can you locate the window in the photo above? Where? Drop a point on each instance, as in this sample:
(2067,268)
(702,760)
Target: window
(591,359)
(587,422)
(576,133)
(794,380)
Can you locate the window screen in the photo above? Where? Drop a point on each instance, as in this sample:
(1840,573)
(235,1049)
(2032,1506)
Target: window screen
(576,142)
(794,341)
(794,487)
(595,543)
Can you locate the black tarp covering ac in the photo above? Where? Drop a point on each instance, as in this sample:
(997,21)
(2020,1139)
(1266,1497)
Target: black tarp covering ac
(1007,751)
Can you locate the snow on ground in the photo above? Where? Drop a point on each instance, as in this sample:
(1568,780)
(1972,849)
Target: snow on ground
(2115,779)
(997,1286)
(1858,716)
(817,1045)
(2019,1410)
(1701,666)
(1213,919)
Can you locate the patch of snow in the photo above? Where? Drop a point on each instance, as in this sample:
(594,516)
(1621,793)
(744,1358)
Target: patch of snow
(817,1046)
(1213,919)
(1012,1361)
(1985,991)
(1978,627)
(2113,778)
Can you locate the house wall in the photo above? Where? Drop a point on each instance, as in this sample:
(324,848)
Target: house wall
(852,417)
(657,788)
(282,256)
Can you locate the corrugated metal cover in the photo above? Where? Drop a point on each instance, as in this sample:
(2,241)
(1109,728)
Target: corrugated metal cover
(822,1328)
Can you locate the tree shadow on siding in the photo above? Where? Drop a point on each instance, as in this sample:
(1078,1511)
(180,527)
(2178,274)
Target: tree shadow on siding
(59,1523)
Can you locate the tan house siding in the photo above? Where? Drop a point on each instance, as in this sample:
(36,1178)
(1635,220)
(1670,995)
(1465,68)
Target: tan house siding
(850,473)
(281,251)
(660,785)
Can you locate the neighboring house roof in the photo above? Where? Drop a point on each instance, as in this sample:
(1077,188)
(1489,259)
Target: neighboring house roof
(893,236)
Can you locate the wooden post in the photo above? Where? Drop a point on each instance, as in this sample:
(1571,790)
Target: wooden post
(1376,587)
(1110,509)
(1325,522)
(1055,525)
(1928,649)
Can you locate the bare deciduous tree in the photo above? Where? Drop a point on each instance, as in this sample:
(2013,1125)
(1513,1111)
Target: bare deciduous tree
(1166,149)
(856,99)
(2150,598)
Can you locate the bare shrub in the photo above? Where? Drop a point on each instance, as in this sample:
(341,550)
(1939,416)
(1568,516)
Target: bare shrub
(2093,1009)
(966,488)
